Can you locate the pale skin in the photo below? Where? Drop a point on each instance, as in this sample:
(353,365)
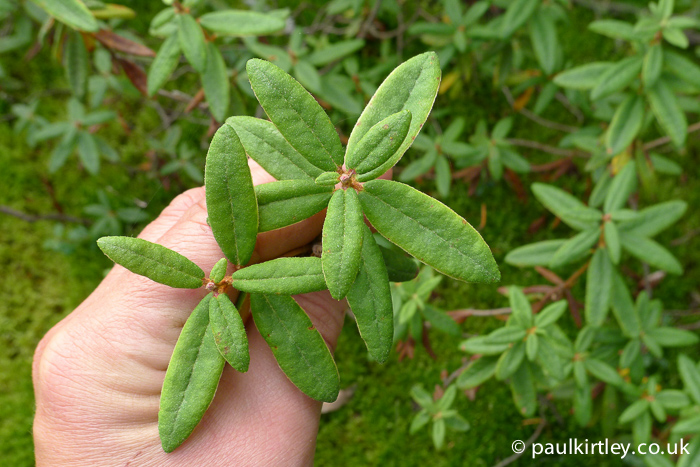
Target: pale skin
(98,373)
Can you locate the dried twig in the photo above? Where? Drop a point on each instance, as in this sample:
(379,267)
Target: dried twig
(536,118)
(665,140)
(42,217)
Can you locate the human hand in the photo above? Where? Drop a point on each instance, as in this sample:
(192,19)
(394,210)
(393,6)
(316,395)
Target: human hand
(99,372)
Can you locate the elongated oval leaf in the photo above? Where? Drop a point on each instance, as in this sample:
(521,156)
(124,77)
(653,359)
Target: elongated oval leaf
(74,13)
(400,267)
(192,41)
(287,276)
(603,372)
(654,219)
(334,52)
(534,254)
(342,242)
(239,23)
(379,143)
(75,60)
(582,77)
(477,372)
(598,287)
(154,261)
(231,202)
(668,112)
(369,298)
(561,204)
(510,361)
(191,379)
(164,64)
(621,188)
(328,179)
(88,152)
(297,345)
(428,230)
(412,86)
(612,241)
(653,64)
(543,34)
(229,332)
(575,248)
(296,114)
(218,271)
(289,201)
(690,376)
(517,14)
(217,88)
(625,125)
(617,77)
(265,145)
(647,250)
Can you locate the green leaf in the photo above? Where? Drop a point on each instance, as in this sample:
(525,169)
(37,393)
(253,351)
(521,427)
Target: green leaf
(543,34)
(623,308)
(522,385)
(477,373)
(191,379)
(192,41)
(653,64)
(510,361)
(675,36)
(690,375)
(531,347)
(521,311)
(88,152)
(342,241)
(443,176)
(647,250)
(598,287)
(534,254)
(582,77)
(229,332)
(561,203)
(636,409)
(328,179)
(680,66)
(419,421)
(439,433)
(548,358)
(517,14)
(441,321)
(625,125)
(265,145)
(612,241)
(75,61)
(215,81)
(240,23)
(673,399)
(412,86)
(231,201)
(296,114)
(289,201)
(622,186)
(401,268)
(664,165)
(550,314)
(668,112)
(654,219)
(74,13)
(603,372)
(507,335)
(154,261)
(297,345)
(617,77)
(218,271)
(428,230)
(333,52)
(378,145)
(613,28)
(164,64)
(575,248)
(286,276)
(307,75)
(369,298)
(481,345)
(672,337)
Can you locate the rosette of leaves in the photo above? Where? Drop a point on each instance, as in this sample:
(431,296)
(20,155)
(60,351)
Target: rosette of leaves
(77,135)
(110,220)
(528,351)
(301,148)
(604,233)
(438,148)
(194,37)
(412,308)
(654,78)
(492,150)
(439,412)
(28,121)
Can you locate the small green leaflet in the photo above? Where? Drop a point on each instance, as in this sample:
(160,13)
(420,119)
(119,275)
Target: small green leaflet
(231,201)
(575,248)
(654,219)
(598,287)
(342,242)
(297,345)
(216,84)
(287,202)
(561,203)
(647,250)
(534,254)
(428,230)
(653,64)
(164,64)
(154,261)
(265,145)
(617,77)
(622,186)
(477,373)
(328,179)
(287,276)
(668,112)
(412,86)
(239,23)
(543,34)
(218,271)
(370,300)
(192,41)
(400,267)
(517,14)
(191,379)
(296,114)
(74,13)
(75,61)
(377,145)
(88,152)
(229,333)
(334,52)
(625,125)
(582,77)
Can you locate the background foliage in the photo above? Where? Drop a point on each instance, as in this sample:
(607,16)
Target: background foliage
(515,108)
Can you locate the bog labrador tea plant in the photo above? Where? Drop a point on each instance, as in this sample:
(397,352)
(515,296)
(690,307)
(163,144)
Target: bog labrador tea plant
(301,149)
